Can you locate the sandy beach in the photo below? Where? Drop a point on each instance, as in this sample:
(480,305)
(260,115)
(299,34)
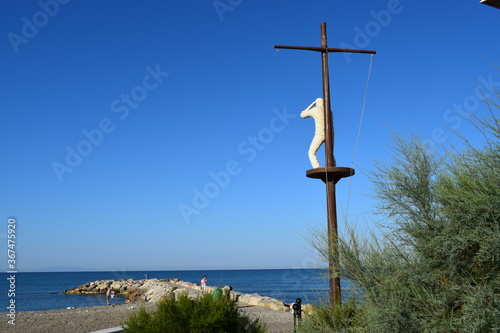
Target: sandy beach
(90,319)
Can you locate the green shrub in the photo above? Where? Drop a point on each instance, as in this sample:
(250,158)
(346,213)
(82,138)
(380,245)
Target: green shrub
(202,315)
(344,318)
(436,265)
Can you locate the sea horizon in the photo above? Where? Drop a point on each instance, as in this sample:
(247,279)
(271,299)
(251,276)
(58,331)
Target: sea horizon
(82,270)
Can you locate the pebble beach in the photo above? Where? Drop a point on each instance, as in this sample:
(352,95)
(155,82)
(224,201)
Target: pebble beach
(91,319)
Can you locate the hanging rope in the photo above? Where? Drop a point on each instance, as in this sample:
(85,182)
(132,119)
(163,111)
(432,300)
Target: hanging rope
(357,138)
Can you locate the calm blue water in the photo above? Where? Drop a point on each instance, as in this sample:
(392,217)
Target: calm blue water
(43,291)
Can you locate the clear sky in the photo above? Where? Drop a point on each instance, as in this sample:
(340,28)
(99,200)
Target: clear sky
(158,135)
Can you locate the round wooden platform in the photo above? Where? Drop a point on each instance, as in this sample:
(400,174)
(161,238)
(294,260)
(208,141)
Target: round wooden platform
(330,174)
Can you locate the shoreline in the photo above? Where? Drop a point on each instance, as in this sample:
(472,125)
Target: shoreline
(140,293)
(45,291)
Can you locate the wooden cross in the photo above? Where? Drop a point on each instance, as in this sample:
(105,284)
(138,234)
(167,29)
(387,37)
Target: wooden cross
(331,174)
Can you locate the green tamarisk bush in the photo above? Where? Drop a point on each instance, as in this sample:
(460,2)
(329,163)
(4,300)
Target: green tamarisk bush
(436,266)
(202,315)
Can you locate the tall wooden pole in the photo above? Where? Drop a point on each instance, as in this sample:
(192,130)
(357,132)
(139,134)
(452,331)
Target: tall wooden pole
(331,174)
(329,130)
(331,202)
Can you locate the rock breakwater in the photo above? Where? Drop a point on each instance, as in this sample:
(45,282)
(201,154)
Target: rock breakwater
(152,290)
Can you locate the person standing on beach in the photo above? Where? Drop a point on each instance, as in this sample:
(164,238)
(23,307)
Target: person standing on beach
(226,291)
(108,296)
(203,283)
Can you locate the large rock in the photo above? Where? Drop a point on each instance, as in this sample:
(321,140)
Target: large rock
(153,290)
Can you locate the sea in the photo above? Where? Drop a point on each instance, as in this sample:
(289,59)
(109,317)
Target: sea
(45,290)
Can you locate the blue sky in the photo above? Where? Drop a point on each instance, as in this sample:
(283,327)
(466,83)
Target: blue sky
(165,135)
